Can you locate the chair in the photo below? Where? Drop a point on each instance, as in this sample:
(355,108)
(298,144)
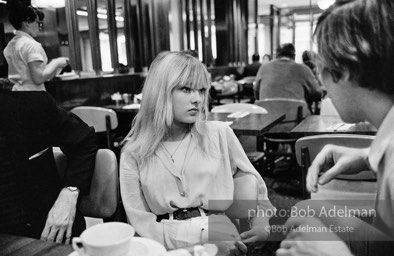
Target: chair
(253,155)
(246,88)
(278,144)
(102,119)
(103,197)
(357,187)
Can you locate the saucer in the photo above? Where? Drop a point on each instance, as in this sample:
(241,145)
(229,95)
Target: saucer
(140,246)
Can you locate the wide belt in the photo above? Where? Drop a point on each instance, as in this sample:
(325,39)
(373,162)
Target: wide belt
(186,213)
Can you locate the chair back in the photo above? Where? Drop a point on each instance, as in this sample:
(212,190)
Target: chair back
(295,109)
(96,117)
(239,107)
(101,119)
(103,197)
(362,186)
(245,196)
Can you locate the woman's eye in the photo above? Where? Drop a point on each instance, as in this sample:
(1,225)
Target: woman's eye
(186,89)
(203,90)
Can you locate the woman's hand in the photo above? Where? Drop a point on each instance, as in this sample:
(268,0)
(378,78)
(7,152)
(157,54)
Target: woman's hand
(61,217)
(336,160)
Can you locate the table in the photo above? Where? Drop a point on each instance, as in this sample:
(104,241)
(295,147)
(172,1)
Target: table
(321,124)
(23,246)
(250,125)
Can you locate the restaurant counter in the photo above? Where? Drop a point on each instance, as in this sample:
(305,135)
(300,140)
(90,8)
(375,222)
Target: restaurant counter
(93,90)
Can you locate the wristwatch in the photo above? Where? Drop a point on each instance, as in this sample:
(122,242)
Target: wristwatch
(73,189)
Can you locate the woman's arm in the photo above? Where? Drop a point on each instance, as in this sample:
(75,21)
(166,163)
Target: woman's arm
(260,221)
(41,73)
(136,207)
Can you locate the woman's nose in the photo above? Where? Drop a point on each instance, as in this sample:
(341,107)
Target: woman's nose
(196,96)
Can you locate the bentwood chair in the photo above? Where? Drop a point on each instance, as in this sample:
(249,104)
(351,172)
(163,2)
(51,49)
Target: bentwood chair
(360,188)
(278,143)
(102,119)
(254,155)
(102,201)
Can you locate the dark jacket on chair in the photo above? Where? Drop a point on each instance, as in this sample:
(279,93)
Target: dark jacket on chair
(30,124)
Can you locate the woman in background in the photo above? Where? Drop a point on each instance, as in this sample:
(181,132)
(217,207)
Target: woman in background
(28,66)
(176,165)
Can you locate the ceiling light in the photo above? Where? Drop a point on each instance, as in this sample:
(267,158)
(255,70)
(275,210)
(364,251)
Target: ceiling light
(324,4)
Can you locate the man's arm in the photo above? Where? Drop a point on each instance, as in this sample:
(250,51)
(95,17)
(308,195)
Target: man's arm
(79,143)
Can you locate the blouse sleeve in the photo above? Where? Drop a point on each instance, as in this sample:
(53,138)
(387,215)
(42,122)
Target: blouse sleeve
(241,162)
(137,210)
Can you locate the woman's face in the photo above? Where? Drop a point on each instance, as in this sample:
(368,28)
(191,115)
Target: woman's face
(35,27)
(187,104)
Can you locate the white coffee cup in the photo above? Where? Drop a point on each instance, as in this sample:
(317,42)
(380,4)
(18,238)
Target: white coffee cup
(107,239)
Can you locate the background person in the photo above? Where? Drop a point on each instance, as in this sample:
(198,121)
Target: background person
(357,69)
(35,201)
(176,163)
(266,58)
(284,78)
(28,66)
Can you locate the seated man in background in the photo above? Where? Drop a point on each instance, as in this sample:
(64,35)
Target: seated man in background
(355,42)
(284,78)
(251,69)
(34,200)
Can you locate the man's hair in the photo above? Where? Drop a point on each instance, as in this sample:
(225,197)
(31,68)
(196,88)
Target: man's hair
(286,50)
(356,38)
(255,57)
(22,13)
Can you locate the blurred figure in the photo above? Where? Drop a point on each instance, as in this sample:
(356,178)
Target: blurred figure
(284,78)
(175,163)
(35,201)
(309,59)
(28,66)
(355,42)
(266,58)
(251,69)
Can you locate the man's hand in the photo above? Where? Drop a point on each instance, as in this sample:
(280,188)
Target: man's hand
(311,243)
(257,233)
(61,217)
(336,160)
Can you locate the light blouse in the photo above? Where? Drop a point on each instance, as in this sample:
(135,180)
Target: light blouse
(159,187)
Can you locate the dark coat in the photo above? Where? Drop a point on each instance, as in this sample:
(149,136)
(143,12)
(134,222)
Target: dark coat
(31,122)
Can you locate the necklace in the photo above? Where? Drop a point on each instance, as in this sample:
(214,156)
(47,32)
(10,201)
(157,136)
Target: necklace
(171,155)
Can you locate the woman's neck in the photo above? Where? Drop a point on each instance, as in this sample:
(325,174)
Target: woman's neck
(177,131)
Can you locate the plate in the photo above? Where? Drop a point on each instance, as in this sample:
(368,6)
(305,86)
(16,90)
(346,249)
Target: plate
(141,246)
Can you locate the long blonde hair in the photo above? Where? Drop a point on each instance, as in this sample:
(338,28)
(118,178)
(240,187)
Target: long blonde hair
(155,117)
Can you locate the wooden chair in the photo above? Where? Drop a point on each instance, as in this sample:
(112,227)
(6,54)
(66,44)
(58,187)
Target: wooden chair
(278,144)
(254,156)
(103,198)
(102,119)
(360,188)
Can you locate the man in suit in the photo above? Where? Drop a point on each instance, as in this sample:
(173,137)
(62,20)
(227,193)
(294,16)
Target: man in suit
(34,200)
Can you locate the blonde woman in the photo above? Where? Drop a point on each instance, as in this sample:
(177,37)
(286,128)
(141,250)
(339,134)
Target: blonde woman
(175,161)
